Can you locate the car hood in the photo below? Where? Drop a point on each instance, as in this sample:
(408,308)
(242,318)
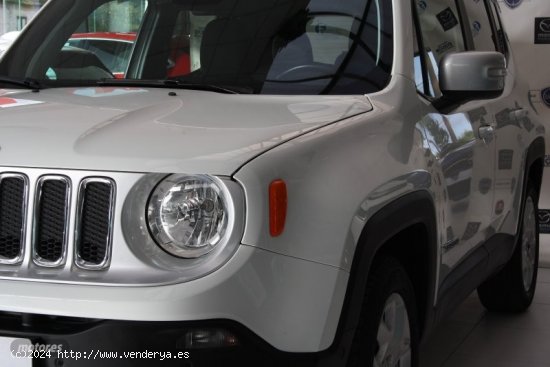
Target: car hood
(148,130)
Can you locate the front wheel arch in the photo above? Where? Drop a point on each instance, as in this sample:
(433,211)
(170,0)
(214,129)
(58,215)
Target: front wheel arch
(383,236)
(393,335)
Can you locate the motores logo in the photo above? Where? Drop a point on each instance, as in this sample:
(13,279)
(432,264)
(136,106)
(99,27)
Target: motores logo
(513,3)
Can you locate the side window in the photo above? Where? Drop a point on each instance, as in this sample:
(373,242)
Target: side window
(486,26)
(441,33)
(480,25)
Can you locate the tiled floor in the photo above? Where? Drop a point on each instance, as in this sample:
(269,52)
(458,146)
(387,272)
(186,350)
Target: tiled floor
(473,337)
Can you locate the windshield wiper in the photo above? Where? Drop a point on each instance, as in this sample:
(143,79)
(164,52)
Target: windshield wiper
(28,83)
(170,83)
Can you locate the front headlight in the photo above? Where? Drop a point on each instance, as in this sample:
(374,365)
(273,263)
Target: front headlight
(188,215)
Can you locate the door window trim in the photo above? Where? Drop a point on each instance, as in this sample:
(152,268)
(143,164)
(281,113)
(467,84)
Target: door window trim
(494,28)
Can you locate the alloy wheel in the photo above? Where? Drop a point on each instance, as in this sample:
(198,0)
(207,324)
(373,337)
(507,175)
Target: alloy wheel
(394,335)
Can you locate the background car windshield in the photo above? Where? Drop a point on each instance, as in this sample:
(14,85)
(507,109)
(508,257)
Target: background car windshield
(112,49)
(268,46)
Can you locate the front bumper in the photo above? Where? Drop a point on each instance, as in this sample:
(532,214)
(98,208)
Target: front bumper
(292,304)
(89,342)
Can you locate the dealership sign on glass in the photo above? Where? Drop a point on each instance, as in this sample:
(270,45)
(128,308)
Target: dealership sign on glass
(542,30)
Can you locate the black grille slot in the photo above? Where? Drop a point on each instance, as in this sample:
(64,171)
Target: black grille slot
(52,209)
(12,216)
(96,202)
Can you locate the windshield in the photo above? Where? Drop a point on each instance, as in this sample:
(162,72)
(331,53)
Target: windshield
(261,46)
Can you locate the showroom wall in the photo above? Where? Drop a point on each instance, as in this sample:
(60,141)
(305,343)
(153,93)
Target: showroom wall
(528,26)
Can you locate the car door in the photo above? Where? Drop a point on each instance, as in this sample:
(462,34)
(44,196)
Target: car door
(512,128)
(510,117)
(459,140)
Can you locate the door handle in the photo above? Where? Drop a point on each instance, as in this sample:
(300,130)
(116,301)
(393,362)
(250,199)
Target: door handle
(486,133)
(518,113)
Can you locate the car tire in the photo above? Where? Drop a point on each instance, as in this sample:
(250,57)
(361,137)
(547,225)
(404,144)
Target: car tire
(512,288)
(387,333)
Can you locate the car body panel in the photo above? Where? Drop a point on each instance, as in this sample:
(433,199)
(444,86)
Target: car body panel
(145,130)
(257,289)
(343,158)
(460,180)
(378,143)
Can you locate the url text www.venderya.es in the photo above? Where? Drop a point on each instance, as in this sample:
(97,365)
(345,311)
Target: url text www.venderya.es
(95,354)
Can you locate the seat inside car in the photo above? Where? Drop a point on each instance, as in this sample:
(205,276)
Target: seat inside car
(240,48)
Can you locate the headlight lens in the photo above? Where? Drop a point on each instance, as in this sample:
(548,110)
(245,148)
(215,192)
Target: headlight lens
(187,215)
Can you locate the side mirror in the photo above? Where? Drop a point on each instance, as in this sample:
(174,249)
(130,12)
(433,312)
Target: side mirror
(466,76)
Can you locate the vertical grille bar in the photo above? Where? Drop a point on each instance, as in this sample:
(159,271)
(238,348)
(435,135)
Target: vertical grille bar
(13,209)
(51,221)
(96,200)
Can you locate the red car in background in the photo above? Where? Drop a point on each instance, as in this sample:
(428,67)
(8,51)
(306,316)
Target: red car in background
(113,49)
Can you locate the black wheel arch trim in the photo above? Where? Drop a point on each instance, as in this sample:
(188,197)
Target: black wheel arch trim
(536,151)
(409,210)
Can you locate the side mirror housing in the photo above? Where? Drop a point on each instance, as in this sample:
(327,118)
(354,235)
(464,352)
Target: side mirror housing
(466,76)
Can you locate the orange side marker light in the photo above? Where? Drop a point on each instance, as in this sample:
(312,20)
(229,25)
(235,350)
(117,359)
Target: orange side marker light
(277,207)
